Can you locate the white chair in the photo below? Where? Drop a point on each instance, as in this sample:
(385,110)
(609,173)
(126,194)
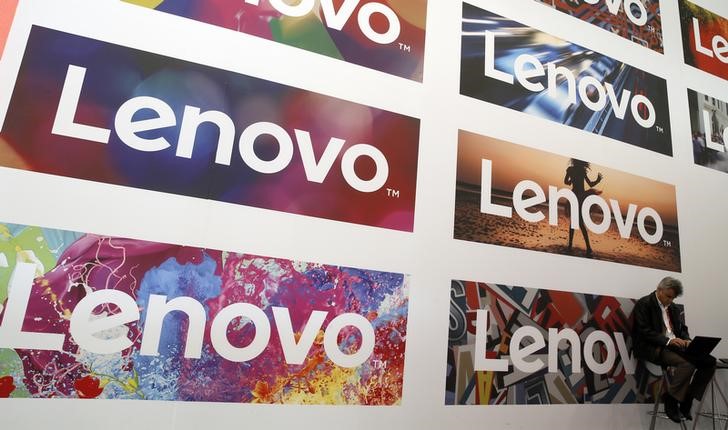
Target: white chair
(658,371)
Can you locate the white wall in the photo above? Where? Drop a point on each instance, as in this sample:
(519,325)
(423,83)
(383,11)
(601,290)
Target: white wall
(430,254)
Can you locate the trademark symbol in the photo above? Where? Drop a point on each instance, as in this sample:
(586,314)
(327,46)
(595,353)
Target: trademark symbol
(405,47)
(667,244)
(379,364)
(393,193)
(659,129)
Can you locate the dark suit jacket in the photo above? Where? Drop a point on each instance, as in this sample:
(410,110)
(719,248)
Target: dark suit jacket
(648,331)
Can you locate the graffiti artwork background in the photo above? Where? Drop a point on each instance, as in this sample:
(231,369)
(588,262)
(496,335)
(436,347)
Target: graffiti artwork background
(71,265)
(514,39)
(116,74)
(513,163)
(648,35)
(310,32)
(513,307)
(710,26)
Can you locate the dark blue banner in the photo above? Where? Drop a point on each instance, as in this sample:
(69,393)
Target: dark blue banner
(518,67)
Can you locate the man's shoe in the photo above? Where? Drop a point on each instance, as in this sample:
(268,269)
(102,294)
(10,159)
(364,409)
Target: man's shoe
(671,407)
(685,408)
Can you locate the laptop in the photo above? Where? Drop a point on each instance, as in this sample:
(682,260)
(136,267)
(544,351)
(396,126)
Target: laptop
(702,345)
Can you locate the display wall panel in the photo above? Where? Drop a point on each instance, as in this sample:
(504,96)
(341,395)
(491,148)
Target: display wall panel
(89,316)
(166,116)
(704,37)
(576,345)
(708,122)
(638,21)
(429,253)
(512,65)
(512,195)
(385,36)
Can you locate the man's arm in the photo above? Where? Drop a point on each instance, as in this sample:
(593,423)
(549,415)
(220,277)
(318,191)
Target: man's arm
(684,334)
(682,331)
(643,325)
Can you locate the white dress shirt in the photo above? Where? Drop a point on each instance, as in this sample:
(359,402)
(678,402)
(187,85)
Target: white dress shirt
(666,321)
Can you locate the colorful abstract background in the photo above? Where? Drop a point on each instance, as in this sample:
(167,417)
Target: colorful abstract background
(311,33)
(116,74)
(71,265)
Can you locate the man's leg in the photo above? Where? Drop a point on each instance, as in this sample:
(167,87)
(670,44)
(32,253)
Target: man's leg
(683,372)
(700,370)
(677,384)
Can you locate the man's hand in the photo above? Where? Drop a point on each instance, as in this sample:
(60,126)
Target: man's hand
(679,343)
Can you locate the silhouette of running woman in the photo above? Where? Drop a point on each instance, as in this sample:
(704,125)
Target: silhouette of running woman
(576,176)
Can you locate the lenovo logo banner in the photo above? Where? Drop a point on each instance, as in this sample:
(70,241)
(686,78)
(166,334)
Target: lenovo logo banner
(518,67)
(515,345)
(638,21)
(83,315)
(705,39)
(709,125)
(388,36)
(512,195)
(92,110)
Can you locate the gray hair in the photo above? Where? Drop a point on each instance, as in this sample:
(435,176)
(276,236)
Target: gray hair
(670,283)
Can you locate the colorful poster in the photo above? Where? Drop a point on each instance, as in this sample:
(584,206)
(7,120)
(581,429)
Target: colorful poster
(636,20)
(90,316)
(515,196)
(705,39)
(7,14)
(709,126)
(88,109)
(541,347)
(509,64)
(384,35)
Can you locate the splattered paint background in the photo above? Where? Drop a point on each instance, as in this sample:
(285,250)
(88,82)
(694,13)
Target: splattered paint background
(116,74)
(70,265)
(513,307)
(310,32)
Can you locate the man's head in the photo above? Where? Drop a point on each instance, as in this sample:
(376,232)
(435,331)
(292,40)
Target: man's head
(668,289)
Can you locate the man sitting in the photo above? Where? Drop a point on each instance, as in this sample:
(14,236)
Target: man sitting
(661,336)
